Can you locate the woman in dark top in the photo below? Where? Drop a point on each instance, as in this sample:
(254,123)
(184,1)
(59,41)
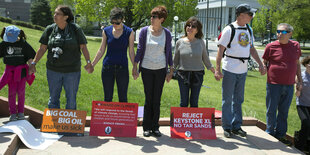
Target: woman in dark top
(16,52)
(117,37)
(154,55)
(64,41)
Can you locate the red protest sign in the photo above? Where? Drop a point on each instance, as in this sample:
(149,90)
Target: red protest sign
(192,123)
(113,119)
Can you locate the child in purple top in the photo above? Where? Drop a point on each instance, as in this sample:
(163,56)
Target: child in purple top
(16,52)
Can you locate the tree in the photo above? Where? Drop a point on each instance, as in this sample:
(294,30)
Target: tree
(40,13)
(293,12)
(55,3)
(137,12)
(261,23)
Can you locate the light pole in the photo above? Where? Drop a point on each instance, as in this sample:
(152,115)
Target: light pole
(176,18)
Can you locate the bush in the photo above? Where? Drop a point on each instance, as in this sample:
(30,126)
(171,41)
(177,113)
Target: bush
(6,20)
(21,23)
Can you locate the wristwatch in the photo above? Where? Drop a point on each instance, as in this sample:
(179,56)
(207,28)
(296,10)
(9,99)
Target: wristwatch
(33,63)
(88,61)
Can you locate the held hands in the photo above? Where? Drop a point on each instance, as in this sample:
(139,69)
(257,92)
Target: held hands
(262,69)
(218,75)
(89,68)
(135,73)
(169,76)
(32,69)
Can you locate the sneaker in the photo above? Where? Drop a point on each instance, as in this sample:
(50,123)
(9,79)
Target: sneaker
(285,141)
(147,133)
(227,133)
(13,117)
(239,132)
(157,133)
(20,116)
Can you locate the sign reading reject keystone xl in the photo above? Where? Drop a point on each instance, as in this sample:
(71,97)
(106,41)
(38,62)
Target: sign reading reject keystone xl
(63,121)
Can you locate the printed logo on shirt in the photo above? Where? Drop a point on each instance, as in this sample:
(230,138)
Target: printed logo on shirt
(14,51)
(243,39)
(10,50)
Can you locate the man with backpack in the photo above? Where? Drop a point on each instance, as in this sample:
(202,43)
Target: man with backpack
(235,47)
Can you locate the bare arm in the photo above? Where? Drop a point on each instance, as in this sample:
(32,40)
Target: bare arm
(131,47)
(299,78)
(42,49)
(254,54)
(218,74)
(101,50)
(88,67)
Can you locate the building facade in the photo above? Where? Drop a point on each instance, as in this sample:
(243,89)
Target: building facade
(219,14)
(16,9)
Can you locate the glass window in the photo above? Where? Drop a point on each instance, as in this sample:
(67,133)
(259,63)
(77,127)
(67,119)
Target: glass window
(7,0)
(27,1)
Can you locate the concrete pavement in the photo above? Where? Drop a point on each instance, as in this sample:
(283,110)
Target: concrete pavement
(257,142)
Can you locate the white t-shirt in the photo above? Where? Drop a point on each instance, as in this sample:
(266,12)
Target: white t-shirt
(240,47)
(154,57)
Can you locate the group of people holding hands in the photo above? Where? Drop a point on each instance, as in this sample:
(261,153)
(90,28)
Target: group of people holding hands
(64,41)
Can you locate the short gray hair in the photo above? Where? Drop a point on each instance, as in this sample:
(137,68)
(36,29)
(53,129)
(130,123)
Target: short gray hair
(288,27)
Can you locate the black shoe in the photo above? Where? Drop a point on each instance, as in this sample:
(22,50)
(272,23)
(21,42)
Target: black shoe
(147,133)
(157,133)
(239,132)
(227,133)
(285,141)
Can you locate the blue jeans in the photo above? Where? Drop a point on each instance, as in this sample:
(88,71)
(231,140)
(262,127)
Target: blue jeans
(232,99)
(278,100)
(110,73)
(70,82)
(192,89)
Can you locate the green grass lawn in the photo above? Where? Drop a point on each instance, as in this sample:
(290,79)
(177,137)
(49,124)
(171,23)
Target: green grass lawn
(91,89)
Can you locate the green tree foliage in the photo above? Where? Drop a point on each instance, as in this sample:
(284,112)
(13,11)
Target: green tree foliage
(40,13)
(261,23)
(55,3)
(137,12)
(294,12)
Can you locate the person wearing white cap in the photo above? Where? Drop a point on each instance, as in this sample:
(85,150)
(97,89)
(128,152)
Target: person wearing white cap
(237,43)
(16,52)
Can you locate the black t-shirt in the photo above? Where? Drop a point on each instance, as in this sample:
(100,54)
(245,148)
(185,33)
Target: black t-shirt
(17,53)
(69,41)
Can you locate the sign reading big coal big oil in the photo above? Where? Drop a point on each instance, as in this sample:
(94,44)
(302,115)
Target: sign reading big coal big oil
(63,121)
(114,119)
(192,123)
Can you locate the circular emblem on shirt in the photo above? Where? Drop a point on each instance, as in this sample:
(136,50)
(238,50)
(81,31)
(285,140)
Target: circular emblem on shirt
(243,39)
(188,134)
(108,130)
(10,50)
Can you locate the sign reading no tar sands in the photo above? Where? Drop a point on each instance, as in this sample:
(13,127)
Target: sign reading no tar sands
(113,119)
(192,123)
(63,120)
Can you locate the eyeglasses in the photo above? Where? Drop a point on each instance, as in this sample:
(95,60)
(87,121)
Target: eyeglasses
(191,26)
(283,31)
(154,16)
(116,23)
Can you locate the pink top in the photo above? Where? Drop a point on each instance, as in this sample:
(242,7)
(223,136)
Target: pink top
(282,60)
(14,73)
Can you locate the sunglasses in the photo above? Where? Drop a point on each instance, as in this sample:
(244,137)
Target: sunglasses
(153,16)
(283,31)
(116,23)
(191,26)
